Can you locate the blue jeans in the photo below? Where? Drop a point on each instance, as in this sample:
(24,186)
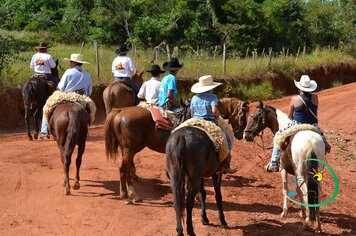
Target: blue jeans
(133,85)
(44,125)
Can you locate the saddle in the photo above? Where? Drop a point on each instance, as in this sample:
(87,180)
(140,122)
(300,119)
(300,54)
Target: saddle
(161,118)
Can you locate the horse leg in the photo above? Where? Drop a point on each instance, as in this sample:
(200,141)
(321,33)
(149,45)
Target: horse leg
(218,198)
(78,163)
(131,190)
(27,121)
(302,208)
(304,192)
(66,163)
(193,190)
(38,118)
(285,192)
(202,196)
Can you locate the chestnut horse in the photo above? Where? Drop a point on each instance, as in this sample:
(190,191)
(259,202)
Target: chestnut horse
(132,128)
(119,94)
(69,124)
(35,93)
(303,145)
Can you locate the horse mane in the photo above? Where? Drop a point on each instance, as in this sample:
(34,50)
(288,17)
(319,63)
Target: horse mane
(227,106)
(282,117)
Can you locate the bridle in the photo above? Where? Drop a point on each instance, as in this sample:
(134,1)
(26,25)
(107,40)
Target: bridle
(240,111)
(260,118)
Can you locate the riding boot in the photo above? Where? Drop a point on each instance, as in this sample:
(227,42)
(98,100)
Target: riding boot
(225,168)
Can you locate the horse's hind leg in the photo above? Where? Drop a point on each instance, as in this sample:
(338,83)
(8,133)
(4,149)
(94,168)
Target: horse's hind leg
(218,198)
(202,195)
(27,121)
(38,119)
(78,163)
(193,190)
(285,192)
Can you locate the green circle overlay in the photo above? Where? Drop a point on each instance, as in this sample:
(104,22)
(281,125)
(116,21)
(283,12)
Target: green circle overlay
(336,188)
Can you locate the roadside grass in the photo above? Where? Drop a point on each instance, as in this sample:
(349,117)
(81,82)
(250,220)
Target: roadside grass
(195,65)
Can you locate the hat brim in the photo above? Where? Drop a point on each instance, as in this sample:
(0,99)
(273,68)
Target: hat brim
(196,88)
(68,60)
(120,52)
(42,47)
(311,88)
(173,68)
(161,71)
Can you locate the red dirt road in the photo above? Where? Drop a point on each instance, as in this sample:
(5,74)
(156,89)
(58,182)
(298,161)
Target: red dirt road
(33,202)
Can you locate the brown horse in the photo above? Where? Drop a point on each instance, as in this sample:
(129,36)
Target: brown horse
(119,94)
(132,128)
(69,124)
(35,93)
(305,144)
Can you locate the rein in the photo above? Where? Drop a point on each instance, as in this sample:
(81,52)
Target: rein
(260,117)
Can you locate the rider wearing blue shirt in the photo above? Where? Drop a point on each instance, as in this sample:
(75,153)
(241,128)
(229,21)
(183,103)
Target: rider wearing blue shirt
(168,95)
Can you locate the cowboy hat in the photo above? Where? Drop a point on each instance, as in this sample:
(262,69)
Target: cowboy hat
(205,84)
(121,50)
(172,65)
(306,84)
(42,45)
(155,69)
(76,57)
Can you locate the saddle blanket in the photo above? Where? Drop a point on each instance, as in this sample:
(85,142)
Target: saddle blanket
(60,97)
(163,118)
(280,139)
(215,133)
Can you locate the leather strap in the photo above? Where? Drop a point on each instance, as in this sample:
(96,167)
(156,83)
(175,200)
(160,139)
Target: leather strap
(307,107)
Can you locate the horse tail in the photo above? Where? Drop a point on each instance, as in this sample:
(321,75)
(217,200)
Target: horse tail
(72,135)
(111,141)
(175,163)
(27,93)
(313,186)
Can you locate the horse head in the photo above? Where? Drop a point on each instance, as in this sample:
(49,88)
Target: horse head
(238,119)
(256,122)
(137,78)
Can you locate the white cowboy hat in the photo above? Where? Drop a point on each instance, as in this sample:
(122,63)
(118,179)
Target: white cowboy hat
(306,84)
(76,57)
(205,84)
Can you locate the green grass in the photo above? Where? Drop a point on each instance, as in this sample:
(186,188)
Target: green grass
(239,71)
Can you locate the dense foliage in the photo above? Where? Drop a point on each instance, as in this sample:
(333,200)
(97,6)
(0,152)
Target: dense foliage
(241,24)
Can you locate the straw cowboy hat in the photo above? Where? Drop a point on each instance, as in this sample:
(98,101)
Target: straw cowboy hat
(122,50)
(42,45)
(156,69)
(306,84)
(172,65)
(76,57)
(205,84)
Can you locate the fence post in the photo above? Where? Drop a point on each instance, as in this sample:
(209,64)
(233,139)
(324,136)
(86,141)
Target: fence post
(97,60)
(168,52)
(304,49)
(224,58)
(297,53)
(247,53)
(270,57)
(81,48)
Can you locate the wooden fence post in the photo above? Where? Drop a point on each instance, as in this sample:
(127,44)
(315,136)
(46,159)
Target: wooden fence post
(270,57)
(97,60)
(224,58)
(247,53)
(81,48)
(304,49)
(168,52)
(297,53)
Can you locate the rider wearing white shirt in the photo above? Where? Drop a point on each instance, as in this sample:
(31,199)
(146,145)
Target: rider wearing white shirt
(123,68)
(42,62)
(150,89)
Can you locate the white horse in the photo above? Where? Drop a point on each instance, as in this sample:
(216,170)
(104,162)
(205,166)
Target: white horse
(304,145)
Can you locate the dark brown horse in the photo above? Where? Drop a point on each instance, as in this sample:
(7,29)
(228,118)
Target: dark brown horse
(69,124)
(190,157)
(132,128)
(35,93)
(119,94)
(303,145)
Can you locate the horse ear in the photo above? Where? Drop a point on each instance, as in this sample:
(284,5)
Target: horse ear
(260,104)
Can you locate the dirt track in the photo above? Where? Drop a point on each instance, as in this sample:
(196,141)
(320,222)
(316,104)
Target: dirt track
(33,202)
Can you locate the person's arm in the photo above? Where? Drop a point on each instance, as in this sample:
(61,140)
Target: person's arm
(291,109)
(132,67)
(32,63)
(52,63)
(63,82)
(142,92)
(171,98)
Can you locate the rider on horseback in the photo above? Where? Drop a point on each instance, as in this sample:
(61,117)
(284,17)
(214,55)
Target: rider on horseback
(74,79)
(168,96)
(302,110)
(42,62)
(204,105)
(150,89)
(123,67)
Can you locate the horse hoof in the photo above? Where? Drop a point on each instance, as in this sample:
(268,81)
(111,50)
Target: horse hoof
(138,200)
(224,226)
(35,136)
(205,222)
(307,226)
(284,214)
(30,138)
(76,186)
(67,192)
(128,201)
